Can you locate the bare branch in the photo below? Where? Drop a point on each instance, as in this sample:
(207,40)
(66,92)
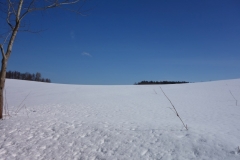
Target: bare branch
(19,106)
(9,14)
(2,51)
(1,46)
(8,21)
(11,7)
(53,4)
(233,97)
(5,35)
(175,111)
(68,2)
(6,38)
(19,11)
(28,10)
(57,4)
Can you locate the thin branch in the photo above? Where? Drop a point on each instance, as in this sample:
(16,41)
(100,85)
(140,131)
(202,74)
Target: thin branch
(233,97)
(185,126)
(53,5)
(67,2)
(28,10)
(19,11)
(7,32)
(9,16)
(10,5)
(6,38)
(2,51)
(19,106)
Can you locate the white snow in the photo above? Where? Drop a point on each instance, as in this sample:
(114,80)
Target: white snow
(58,121)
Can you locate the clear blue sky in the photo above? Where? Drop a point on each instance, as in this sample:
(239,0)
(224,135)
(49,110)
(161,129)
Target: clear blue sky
(127,41)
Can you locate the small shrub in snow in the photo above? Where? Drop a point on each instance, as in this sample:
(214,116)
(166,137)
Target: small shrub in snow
(233,97)
(174,110)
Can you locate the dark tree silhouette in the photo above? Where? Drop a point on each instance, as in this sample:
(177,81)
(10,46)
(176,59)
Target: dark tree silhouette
(160,82)
(26,76)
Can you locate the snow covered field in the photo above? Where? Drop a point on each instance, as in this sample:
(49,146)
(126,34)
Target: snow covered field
(58,121)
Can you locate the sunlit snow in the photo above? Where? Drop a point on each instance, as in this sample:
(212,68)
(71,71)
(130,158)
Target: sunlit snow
(58,121)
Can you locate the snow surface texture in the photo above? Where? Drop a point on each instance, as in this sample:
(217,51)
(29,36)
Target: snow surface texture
(57,121)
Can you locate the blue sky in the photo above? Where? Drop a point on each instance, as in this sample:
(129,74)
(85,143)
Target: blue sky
(127,41)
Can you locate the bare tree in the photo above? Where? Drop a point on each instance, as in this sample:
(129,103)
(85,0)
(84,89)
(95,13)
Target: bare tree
(14,13)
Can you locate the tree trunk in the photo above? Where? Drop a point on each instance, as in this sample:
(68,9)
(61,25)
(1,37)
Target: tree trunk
(6,55)
(2,84)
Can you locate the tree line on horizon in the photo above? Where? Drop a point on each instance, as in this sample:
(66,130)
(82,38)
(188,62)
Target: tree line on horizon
(26,76)
(160,82)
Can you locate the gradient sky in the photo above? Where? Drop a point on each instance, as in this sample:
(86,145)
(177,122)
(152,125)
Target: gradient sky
(127,41)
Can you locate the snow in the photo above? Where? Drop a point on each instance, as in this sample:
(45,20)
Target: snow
(59,121)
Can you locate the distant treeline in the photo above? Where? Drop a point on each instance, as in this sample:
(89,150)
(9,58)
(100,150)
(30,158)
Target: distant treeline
(26,76)
(160,82)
